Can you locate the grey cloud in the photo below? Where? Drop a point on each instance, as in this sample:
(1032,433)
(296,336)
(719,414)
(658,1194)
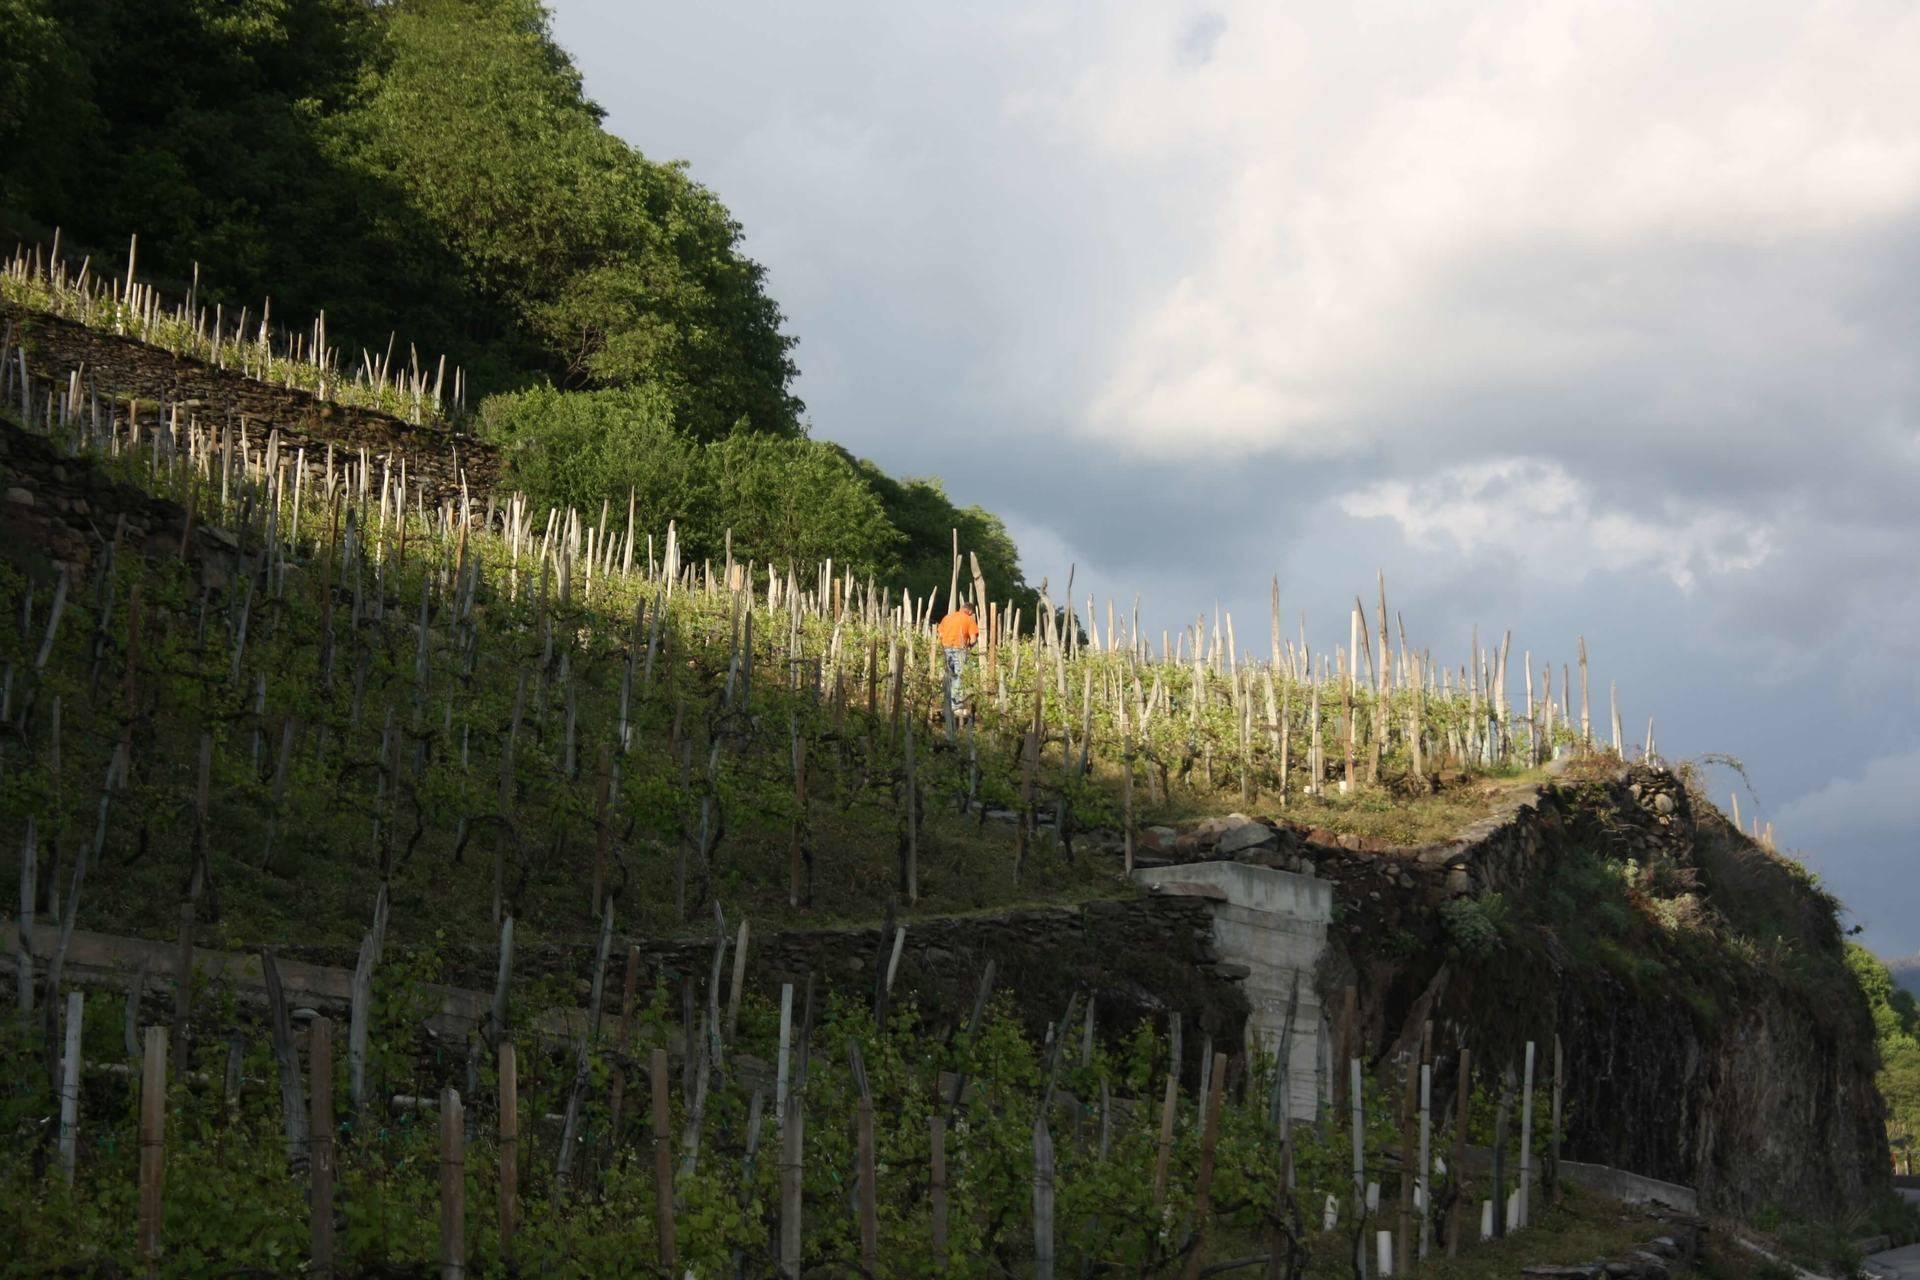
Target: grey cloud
(976,218)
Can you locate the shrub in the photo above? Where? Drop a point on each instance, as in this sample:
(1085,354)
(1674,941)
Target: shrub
(1475,926)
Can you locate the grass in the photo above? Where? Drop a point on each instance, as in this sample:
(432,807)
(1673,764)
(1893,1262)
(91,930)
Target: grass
(1584,1227)
(1377,812)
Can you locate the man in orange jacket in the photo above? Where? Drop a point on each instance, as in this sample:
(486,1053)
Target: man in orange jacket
(958,633)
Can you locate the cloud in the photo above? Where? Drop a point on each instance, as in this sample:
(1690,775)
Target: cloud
(1594,319)
(1864,833)
(1385,209)
(1533,512)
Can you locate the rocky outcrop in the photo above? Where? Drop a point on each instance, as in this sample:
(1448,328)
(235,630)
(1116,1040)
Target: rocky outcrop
(1727,1050)
(1723,1046)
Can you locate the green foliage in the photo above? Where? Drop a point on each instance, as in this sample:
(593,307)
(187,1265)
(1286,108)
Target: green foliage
(1896,1020)
(786,500)
(580,448)
(926,518)
(232,1203)
(1475,926)
(620,270)
(796,503)
(430,167)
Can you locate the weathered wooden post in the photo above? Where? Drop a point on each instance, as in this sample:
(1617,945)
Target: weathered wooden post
(1464,1091)
(1203,1187)
(153,1146)
(1164,1155)
(739,982)
(866,1194)
(938,1160)
(509,1157)
(662,1163)
(453,1186)
(1559,1089)
(1359,1167)
(293,1106)
(1409,1172)
(320,1138)
(1526,1136)
(783,1055)
(70,1087)
(792,1151)
(1042,1200)
(1424,1185)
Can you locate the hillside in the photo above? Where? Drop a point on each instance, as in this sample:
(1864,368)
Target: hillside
(425,189)
(442,701)
(271,671)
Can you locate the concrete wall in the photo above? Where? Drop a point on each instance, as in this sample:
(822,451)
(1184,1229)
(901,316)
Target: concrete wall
(1274,923)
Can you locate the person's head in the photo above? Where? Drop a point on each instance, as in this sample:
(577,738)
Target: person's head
(966,606)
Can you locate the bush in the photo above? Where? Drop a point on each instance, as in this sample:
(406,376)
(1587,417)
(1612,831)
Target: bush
(582,448)
(786,500)
(1475,925)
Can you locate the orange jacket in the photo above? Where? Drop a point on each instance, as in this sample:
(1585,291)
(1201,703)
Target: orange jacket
(958,630)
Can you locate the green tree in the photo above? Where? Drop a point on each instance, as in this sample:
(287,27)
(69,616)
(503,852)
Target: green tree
(578,449)
(786,499)
(927,520)
(1896,1020)
(615,270)
(798,502)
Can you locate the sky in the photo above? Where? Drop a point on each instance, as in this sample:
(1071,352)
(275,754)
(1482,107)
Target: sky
(1574,319)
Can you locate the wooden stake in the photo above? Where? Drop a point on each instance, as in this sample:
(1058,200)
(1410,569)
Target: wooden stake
(938,1158)
(453,1186)
(739,981)
(1359,1168)
(1409,1173)
(509,1064)
(1203,1186)
(153,1148)
(320,1129)
(292,1100)
(1165,1154)
(1042,1200)
(1526,1136)
(865,1192)
(662,1164)
(70,1087)
(1424,1179)
(792,1152)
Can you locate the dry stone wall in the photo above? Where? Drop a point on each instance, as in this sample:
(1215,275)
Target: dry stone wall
(1140,957)
(56,510)
(127,369)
